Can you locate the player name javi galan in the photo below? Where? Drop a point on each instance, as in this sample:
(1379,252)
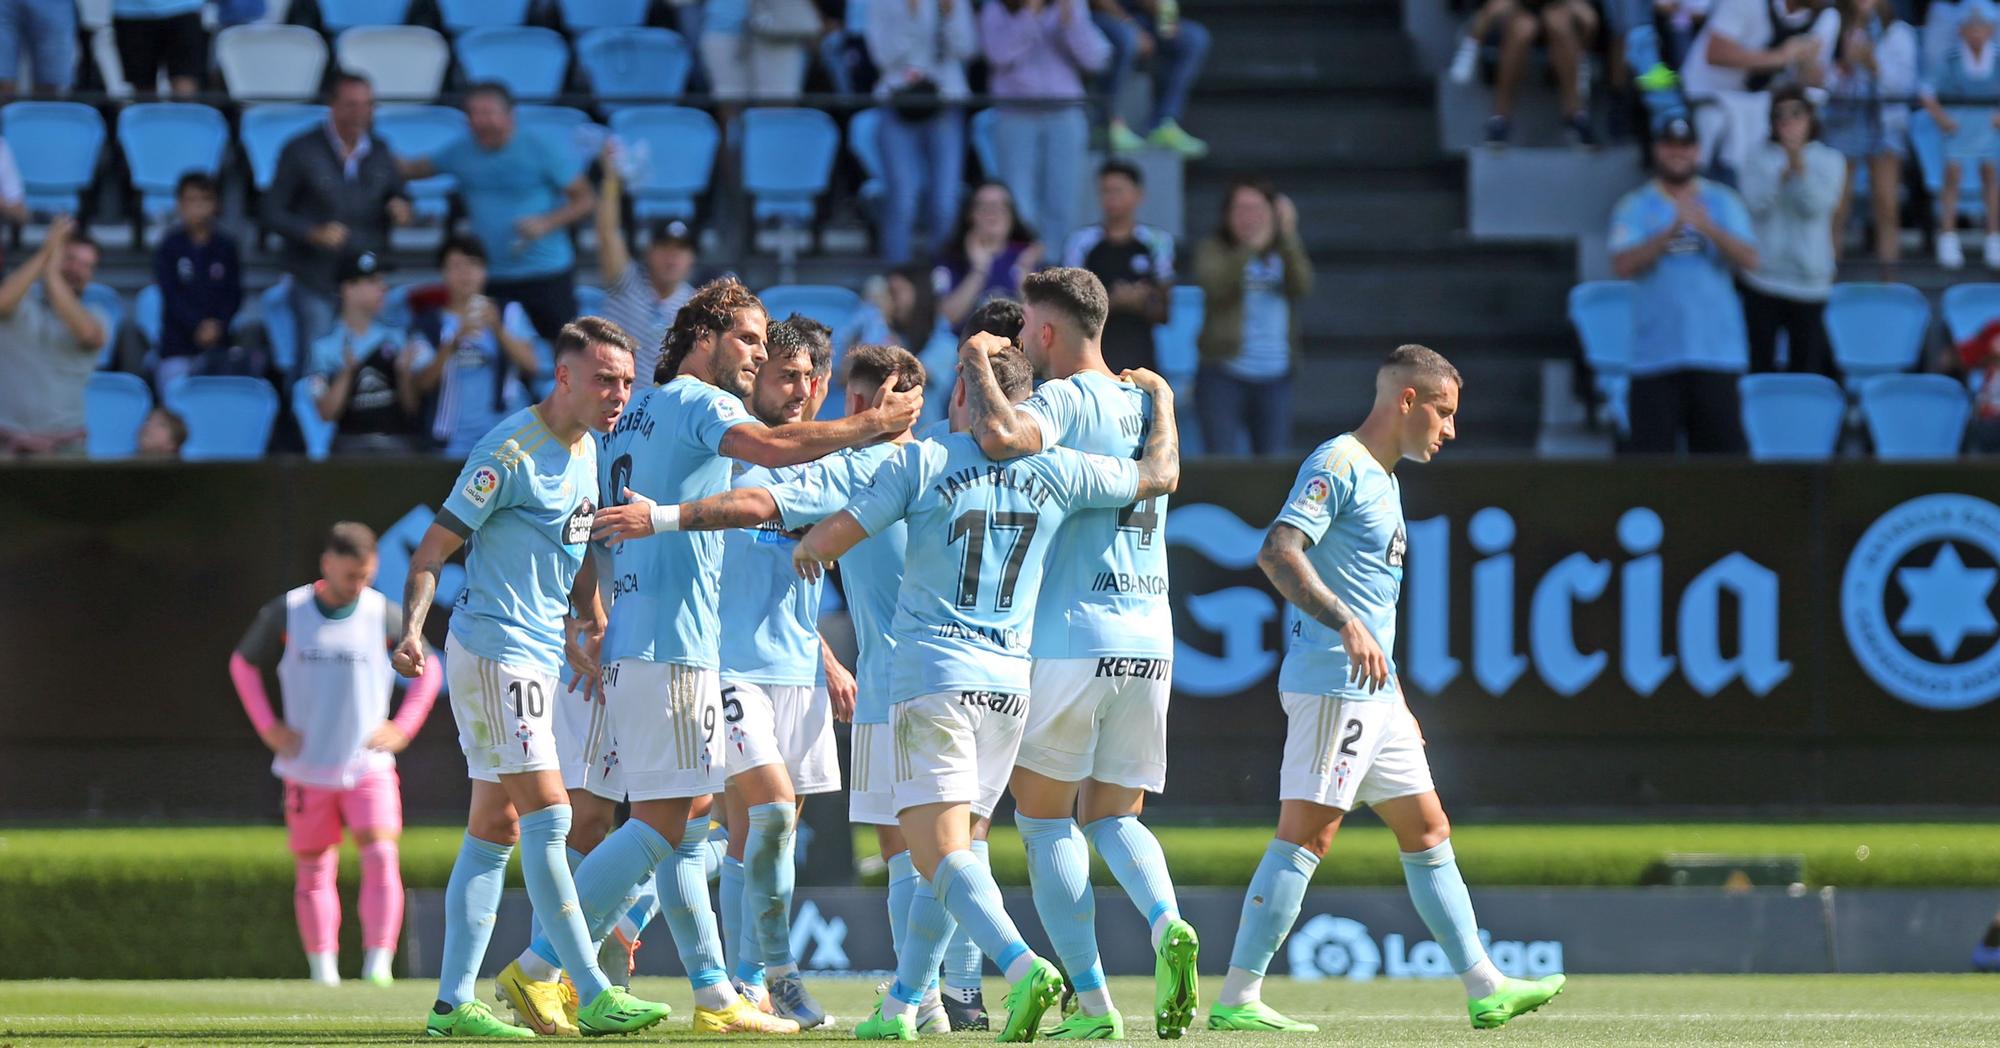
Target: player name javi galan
(1021,481)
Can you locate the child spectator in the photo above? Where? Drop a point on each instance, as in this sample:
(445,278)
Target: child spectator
(162,434)
(201,285)
(989,253)
(480,352)
(1970,80)
(1872,58)
(362,371)
(1135,261)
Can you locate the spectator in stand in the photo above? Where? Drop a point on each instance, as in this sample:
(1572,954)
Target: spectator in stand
(1177,47)
(48,345)
(1745,48)
(1970,78)
(901,309)
(1037,52)
(1679,239)
(160,37)
(13,191)
(363,372)
(473,354)
(921,47)
(201,284)
(992,249)
(1254,274)
(644,298)
(46,29)
(162,434)
(744,62)
(1871,67)
(1565,29)
(1135,262)
(1791,186)
(336,191)
(522,194)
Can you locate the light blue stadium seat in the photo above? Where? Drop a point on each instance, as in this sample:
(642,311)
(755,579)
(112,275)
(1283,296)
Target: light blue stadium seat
(590,300)
(787,158)
(1791,416)
(462,15)
(864,141)
(163,141)
(107,299)
(830,304)
(563,127)
(115,405)
(1175,355)
(414,131)
(1601,313)
(56,145)
(337,15)
(146,315)
(316,432)
(1876,329)
(1915,416)
(228,416)
(1928,144)
(982,142)
(267,129)
(641,65)
(531,61)
(1967,308)
(281,325)
(581,16)
(679,145)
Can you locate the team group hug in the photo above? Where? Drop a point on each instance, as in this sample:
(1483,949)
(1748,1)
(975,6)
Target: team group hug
(645,560)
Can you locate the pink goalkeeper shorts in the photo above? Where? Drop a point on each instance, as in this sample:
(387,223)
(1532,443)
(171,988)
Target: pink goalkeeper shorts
(314,815)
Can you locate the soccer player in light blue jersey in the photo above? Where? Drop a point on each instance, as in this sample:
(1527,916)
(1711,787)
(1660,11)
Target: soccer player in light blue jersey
(1335,552)
(979,530)
(525,501)
(1096,737)
(661,648)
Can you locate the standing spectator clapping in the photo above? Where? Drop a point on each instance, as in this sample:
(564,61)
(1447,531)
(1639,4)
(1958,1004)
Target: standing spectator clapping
(1791,187)
(1254,275)
(921,47)
(644,297)
(46,29)
(1969,82)
(1135,261)
(201,284)
(48,345)
(1871,68)
(1038,52)
(160,37)
(992,249)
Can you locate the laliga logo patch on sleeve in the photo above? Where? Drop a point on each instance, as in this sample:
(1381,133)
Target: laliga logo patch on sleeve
(1313,499)
(480,488)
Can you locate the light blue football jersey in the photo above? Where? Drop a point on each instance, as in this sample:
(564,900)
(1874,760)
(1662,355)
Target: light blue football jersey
(668,447)
(1352,510)
(525,503)
(979,531)
(770,616)
(1105,591)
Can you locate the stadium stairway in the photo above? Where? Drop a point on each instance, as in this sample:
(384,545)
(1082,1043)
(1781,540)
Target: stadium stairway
(1328,100)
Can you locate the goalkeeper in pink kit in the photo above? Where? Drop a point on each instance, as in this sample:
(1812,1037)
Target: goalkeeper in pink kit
(335,746)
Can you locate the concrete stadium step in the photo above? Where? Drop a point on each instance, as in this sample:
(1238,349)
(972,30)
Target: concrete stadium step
(1477,291)
(1305,131)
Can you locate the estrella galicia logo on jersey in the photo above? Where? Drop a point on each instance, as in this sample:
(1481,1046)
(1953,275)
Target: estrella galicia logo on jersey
(1330,947)
(479,488)
(1917,601)
(576,530)
(1399,546)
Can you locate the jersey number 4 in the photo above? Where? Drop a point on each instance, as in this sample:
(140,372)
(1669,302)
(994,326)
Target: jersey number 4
(972,527)
(1142,517)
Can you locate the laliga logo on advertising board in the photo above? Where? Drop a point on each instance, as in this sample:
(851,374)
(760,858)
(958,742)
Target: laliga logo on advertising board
(1238,614)
(1329,947)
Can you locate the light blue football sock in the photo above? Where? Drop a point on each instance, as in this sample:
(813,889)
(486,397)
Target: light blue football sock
(769,874)
(534,920)
(729,903)
(902,885)
(1135,859)
(471,899)
(966,888)
(1271,905)
(1442,901)
(1059,873)
(553,892)
(963,962)
(645,904)
(684,903)
(930,927)
(714,848)
(606,879)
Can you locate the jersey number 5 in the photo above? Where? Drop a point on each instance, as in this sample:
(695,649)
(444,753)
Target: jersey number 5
(972,527)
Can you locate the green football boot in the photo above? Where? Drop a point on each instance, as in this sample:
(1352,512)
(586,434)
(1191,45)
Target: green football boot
(1080,1027)
(1255,1015)
(471,1019)
(1034,994)
(1514,997)
(1176,986)
(615,1010)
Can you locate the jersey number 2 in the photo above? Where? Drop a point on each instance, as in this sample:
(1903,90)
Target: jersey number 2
(972,527)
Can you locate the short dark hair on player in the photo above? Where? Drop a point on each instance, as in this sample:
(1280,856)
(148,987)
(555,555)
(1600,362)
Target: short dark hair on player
(580,334)
(712,310)
(1015,375)
(872,365)
(799,333)
(997,316)
(1075,293)
(350,538)
(1125,168)
(1422,367)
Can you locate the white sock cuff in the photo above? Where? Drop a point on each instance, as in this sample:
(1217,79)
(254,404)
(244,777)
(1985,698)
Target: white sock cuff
(1437,855)
(901,865)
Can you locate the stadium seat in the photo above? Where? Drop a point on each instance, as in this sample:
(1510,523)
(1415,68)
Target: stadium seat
(636,66)
(265,131)
(982,142)
(414,131)
(115,405)
(787,159)
(1915,416)
(1791,417)
(405,63)
(1928,144)
(341,15)
(676,147)
(163,141)
(1175,355)
(56,146)
(830,304)
(581,16)
(589,300)
(1601,313)
(228,416)
(270,63)
(864,141)
(1876,329)
(315,431)
(1969,307)
(461,16)
(281,324)
(146,315)
(532,62)
(563,127)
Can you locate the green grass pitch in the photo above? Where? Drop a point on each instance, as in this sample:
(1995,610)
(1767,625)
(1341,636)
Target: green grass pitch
(1825,1011)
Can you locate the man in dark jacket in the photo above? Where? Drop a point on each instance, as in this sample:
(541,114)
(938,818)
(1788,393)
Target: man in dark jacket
(337,192)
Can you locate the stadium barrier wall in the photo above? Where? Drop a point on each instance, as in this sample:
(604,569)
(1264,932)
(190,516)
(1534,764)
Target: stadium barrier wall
(1603,636)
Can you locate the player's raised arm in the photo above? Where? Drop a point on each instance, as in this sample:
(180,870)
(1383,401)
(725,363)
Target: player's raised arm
(641,517)
(438,544)
(1283,560)
(796,442)
(1160,463)
(1003,430)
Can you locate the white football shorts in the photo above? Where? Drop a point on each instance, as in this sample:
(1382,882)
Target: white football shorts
(667,719)
(584,744)
(1346,752)
(955,747)
(506,723)
(779,723)
(1103,719)
(871,800)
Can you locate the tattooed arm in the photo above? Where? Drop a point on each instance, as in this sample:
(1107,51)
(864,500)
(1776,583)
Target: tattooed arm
(439,543)
(1283,559)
